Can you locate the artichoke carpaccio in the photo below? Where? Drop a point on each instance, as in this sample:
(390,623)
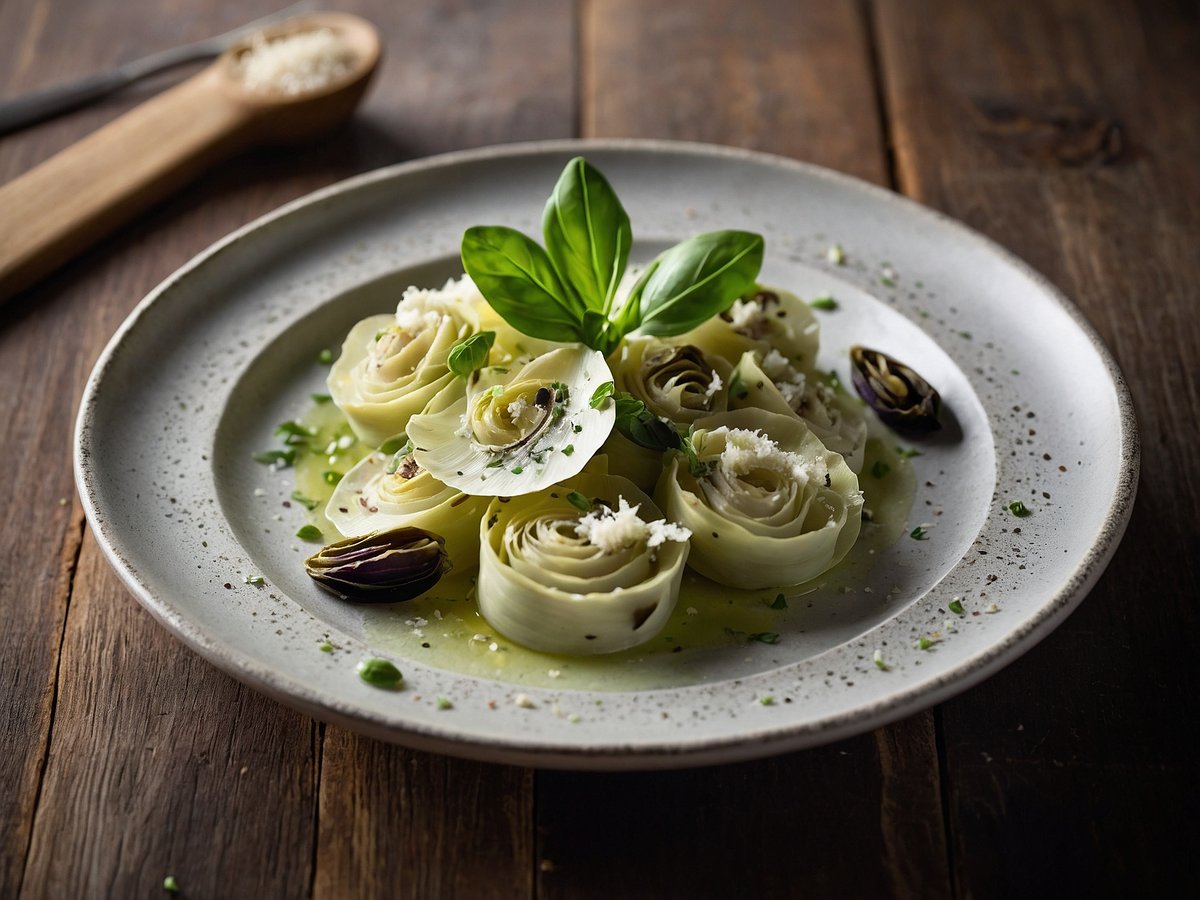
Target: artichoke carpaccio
(520,468)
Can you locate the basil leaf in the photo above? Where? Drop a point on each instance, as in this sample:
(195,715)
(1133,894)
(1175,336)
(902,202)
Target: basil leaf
(699,278)
(519,281)
(641,426)
(587,234)
(470,353)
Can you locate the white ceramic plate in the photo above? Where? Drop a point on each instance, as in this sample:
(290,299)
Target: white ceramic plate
(194,382)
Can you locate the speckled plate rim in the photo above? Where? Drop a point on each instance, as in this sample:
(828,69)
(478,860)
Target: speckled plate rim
(617,755)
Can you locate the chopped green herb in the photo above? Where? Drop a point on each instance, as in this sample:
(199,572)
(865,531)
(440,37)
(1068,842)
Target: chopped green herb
(601,394)
(325,356)
(309,533)
(1019,509)
(956,606)
(495,462)
(254,580)
(325,647)
(568,450)
(170,885)
(443,703)
(886,282)
(320,399)
(379,672)
(880,469)
(879,661)
(270,457)
(306,502)
(836,255)
(294,433)
(517,470)
(765,637)
(331,477)
(825,303)
(767,700)
(577,428)
(919,534)
(907,452)
(924,643)
(496,391)
(471,353)
(579,501)
(780,602)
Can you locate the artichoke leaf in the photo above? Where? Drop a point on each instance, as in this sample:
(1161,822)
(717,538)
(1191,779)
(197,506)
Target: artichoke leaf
(767,319)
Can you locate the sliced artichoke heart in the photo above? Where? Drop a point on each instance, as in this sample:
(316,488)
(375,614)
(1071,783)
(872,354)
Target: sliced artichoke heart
(678,382)
(585,567)
(513,433)
(371,498)
(765,320)
(390,366)
(767,504)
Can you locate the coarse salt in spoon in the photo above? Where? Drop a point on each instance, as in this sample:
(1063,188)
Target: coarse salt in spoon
(291,82)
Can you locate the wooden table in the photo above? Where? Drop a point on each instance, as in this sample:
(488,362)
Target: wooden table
(1068,131)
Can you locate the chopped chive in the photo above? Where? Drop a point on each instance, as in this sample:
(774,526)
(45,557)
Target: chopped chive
(306,502)
(325,357)
(254,580)
(443,703)
(568,450)
(495,462)
(320,399)
(270,457)
(309,533)
(824,302)
(919,534)
(880,469)
(577,428)
(170,885)
(517,470)
(924,643)
(780,602)
(331,477)
(379,672)
(956,606)
(879,661)
(325,647)
(579,501)
(767,700)
(1019,509)
(765,637)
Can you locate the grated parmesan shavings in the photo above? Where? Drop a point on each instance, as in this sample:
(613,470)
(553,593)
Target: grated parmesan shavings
(616,530)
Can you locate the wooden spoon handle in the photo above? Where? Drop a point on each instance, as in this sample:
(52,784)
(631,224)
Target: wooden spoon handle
(57,209)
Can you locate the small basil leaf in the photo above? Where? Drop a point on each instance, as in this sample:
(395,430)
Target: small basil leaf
(471,353)
(601,394)
(519,281)
(699,278)
(587,234)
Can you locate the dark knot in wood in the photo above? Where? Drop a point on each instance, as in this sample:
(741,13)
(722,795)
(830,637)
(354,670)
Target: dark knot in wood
(1065,135)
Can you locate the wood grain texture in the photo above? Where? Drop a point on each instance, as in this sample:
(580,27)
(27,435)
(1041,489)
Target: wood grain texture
(1070,133)
(397,823)
(792,78)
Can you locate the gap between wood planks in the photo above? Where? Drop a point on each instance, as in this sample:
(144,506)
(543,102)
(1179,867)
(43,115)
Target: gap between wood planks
(72,546)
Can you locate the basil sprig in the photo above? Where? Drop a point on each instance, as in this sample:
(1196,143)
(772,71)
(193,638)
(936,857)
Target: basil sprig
(567,291)
(471,353)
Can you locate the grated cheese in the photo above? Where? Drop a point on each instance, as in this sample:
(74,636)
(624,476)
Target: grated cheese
(615,530)
(747,450)
(296,63)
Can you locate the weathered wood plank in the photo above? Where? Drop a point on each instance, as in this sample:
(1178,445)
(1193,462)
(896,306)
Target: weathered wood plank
(859,818)
(397,823)
(1069,132)
(161,765)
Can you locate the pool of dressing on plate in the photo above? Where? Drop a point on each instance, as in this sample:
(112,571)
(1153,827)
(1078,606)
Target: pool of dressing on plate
(443,628)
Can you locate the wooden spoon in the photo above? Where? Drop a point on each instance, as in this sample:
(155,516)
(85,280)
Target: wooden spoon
(54,211)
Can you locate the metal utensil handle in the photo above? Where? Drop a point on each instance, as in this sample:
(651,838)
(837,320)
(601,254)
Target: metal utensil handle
(22,111)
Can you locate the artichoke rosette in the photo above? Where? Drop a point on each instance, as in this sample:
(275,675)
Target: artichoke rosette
(513,432)
(386,491)
(390,366)
(586,567)
(767,504)
(770,382)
